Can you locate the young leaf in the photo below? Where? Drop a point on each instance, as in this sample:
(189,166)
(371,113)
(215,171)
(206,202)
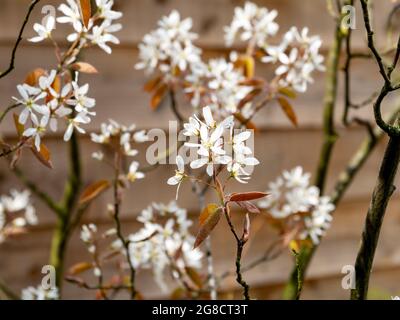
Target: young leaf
(194,276)
(208,219)
(247,196)
(32,77)
(93,190)
(44,155)
(152,84)
(84,67)
(249,97)
(249,66)
(79,268)
(18,126)
(158,96)
(86,11)
(288,92)
(248,206)
(288,109)
(243,120)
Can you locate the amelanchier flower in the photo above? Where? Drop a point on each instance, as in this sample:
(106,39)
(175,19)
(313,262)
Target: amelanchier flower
(214,140)
(16,212)
(133,173)
(293,201)
(167,229)
(44,31)
(252,23)
(170,47)
(179,174)
(298,56)
(39,293)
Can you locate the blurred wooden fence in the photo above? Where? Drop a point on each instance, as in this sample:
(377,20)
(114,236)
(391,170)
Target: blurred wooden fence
(118,90)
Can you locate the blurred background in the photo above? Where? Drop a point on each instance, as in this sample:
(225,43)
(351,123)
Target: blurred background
(118,89)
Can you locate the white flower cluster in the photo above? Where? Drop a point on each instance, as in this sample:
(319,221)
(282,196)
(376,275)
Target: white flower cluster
(168,241)
(298,56)
(39,293)
(252,23)
(99,31)
(11,208)
(217,84)
(291,196)
(170,47)
(212,146)
(44,107)
(123,136)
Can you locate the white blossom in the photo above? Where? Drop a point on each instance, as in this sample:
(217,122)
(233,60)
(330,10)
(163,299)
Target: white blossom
(40,293)
(43,31)
(252,23)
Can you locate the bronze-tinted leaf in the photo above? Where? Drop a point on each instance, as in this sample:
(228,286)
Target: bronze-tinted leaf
(84,67)
(158,96)
(249,124)
(247,196)
(32,78)
(288,109)
(288,92)
(249,97)
(152,84)
(249,66)
(194,276)
(18,126)
(44,155)
(86,11)
(79,268)
(208,219)
(248,206)
(93,190)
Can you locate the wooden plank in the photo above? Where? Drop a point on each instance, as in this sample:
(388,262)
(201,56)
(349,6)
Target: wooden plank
(276,150)
(25,256)
(209,17)
(118,90)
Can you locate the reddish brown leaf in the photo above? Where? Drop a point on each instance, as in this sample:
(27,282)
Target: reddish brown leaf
(244,121)
(249,97)
(158,96)
(84,67)
(79,268)
(43,155)
(288,109)
(32,78)
(18,126)
(288,92)
(86,11)
(247,196)
(152,84)
(194,276)
(93,190)
(248,206)
(208,219)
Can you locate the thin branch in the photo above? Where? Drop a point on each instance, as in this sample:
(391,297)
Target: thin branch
(19,39)
(7,110)
(116,213)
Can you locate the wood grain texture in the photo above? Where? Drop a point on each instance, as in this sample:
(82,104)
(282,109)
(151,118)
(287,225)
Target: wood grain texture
(118,91)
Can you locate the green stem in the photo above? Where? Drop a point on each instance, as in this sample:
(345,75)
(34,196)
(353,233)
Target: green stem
(62,232)
(384,189)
